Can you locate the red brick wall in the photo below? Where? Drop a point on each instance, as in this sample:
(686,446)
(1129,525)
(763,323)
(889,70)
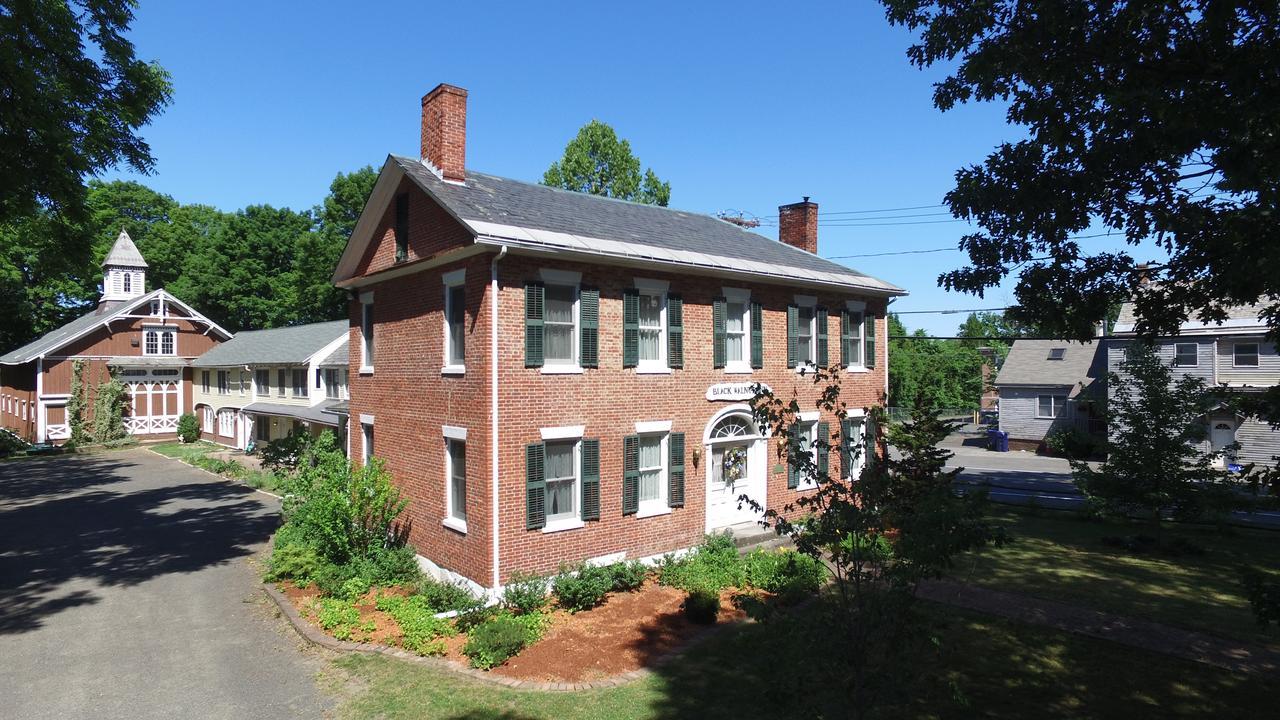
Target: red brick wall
(411,401)
(431,231)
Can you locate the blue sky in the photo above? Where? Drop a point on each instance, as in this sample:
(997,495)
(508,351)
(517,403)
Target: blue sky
(739,105)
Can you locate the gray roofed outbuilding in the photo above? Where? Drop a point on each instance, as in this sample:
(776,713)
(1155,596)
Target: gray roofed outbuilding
(287,345)
(314,413)
(537,215)
(1028,364)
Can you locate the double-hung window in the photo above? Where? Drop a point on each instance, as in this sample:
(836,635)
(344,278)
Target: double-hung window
(804,335)
(1186,355)
(652,329)
(652,466)
(207,420)
(1244,354)
(366,332)
(262,382)
(455,323)
(1050,406)
(562,481)
(851,336)
(455,445)
(226,423)
(159,341)
(561,325)
(262,429)
(224,382)
(366,438)
(740,341)
(333,383)
(282,381)
(299,382)
(204,383)
(244,383)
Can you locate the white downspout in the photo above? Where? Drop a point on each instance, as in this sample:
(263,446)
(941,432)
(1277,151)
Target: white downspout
(41,429)
(493,411)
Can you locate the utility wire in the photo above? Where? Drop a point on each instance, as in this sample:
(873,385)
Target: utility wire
(953,248)
(946,312)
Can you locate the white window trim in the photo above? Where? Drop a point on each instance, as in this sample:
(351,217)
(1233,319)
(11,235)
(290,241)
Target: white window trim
(859,306)
(451,435)
(1053,404)
(660,505)
(741,365)
(366,334)
(160,331)
(658,288)
(810,422)
(206,420)
(366,452)
(575,522)
(451,280)
(1197,355)
(565,278)
(1257,354)
(860,416)
(653,426)
(807,365)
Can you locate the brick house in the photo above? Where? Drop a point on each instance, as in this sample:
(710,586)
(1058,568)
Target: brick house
(553,376)
(144,339)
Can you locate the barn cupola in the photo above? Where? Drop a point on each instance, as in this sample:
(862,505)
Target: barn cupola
(124,272)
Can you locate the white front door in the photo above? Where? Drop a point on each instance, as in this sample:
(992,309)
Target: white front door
(1222,433)
(736,467)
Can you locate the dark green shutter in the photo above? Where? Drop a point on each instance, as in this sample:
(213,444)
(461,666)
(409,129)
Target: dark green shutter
(846,338)
(869,437)
(630,474)
(757,335)
(589,337)
(846,447)
(793,342)
(675,331)
(869,332)
(535,486)
(630,328)
(820,315)
(590,479)
(793,444)
(823,439)
(534,313)
(719,338)
(675,474)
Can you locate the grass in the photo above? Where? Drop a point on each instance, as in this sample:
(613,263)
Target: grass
(1061,556)
(985,666)
(197,454)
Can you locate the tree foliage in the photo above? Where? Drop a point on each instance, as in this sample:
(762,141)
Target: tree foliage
(598,162)
(1150,119)
(879,534)
(1168,472)
(941,373)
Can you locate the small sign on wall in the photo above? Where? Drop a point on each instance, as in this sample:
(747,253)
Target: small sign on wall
(735,391)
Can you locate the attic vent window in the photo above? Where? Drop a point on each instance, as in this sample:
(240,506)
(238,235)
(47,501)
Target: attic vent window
(1057,353)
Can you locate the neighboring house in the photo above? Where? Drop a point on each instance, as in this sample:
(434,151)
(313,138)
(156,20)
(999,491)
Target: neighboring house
(261,384)
(1234,355)
(1049,385)
(552,376)
(144,339)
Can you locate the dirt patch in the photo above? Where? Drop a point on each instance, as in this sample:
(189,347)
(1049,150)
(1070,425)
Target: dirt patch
(385,629)
(630,631)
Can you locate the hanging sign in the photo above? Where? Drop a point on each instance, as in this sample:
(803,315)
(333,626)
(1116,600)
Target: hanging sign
(735,390)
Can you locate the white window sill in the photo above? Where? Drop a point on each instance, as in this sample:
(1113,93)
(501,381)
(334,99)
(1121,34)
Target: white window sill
(365,370)
(806,487)
(453,370)
(561,525)
(561,370)
(856,369)
(653,370)
(455,525)
(654,511)
(806,368)
(737,367)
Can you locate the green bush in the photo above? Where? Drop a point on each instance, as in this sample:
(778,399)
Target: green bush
(1074,443)
(792,576)
(628,576)
(188,428)
(495,641)
(421,631)
(702,605)
(444,596)
(285,454)
(715,564)
(339,617)
(526,593)
(582,587)
(292,561)
(352,588)
(389,566)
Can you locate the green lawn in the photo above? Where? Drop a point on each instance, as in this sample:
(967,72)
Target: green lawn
(1060,556)
(186,452)
(985,666)
(196,454)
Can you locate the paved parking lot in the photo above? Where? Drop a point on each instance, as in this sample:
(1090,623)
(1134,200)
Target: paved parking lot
(126,591)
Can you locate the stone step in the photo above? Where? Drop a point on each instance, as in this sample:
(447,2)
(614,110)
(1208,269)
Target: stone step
(749,536)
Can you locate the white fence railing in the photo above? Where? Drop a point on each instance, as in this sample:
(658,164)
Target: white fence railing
(58,432)
(151,424)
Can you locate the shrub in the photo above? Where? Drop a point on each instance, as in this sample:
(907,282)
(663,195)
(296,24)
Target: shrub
(188,428)
(352,588)
(444,596)
(390,566)
(526,593)
(715,564)
(702,605)
(339,617)
(628,576)
(495,641)
(292,561)
(420,629)
(791,575)
(285,453)
(582,587)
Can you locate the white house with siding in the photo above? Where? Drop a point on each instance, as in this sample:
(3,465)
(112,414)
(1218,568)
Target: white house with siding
(1044,386)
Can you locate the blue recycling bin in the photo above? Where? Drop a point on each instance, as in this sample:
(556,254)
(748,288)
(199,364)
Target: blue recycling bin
(998,440)
(1004,441)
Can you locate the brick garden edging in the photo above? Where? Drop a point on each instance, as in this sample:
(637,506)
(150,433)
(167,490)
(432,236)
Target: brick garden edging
(314,635)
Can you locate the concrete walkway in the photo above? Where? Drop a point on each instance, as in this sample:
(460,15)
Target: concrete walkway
(1233,655)
(126,591)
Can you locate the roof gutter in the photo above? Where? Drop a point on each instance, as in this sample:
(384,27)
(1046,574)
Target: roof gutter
(493,412)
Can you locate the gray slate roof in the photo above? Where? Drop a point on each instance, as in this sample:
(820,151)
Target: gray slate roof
(340,357)
(314,413)
(1028,363)
(124,253)
(1126,318)
(285,345)
(634,229)
(55,339)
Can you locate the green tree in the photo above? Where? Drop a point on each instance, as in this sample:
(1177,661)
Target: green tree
(1164,473)
(1152,119)
(941,373)
(596,161)
(319,251)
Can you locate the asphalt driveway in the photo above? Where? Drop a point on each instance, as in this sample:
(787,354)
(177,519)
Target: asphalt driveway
(126,591)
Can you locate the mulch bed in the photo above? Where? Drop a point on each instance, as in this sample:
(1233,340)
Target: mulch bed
(628,632)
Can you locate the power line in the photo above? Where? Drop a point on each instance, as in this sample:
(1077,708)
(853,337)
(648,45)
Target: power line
(951,249)
(945,312)
(1001,338)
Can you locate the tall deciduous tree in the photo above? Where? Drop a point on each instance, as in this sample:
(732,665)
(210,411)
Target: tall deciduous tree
(318,255)
(1153,119)
(598,162)
(941,373)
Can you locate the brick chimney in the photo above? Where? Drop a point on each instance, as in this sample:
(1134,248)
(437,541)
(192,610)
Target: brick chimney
(798,225)
(444,131)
